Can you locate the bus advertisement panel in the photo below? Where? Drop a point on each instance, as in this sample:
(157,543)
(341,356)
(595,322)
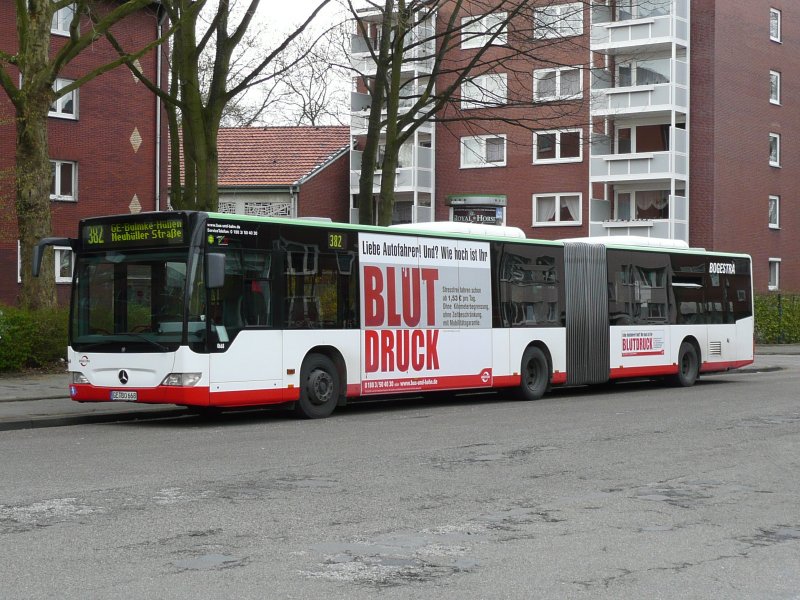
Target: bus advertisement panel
(425,313)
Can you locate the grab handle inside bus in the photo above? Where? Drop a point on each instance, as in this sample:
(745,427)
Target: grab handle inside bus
(215,270)
(38,250)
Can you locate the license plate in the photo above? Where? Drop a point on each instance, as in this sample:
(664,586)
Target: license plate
(121,396)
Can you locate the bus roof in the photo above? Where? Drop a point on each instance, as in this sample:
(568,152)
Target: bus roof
(467,228)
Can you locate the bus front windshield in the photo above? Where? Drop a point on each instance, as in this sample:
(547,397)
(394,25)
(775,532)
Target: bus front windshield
(130,301)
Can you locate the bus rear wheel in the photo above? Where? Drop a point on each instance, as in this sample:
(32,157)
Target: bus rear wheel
(688,366)
(319,387)
(535,374)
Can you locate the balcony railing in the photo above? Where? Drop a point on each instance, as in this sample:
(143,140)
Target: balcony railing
(602,222)
(605,166)
(610,100)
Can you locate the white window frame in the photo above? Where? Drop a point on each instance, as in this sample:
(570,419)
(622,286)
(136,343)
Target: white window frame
(774,283)
(558,222)
(57,109)
(776,223)
(61,197)
(485,91)
(61,20)
(776,162)
(558,159)
(775,17)
(58,251)
(480,160)
(476,31)
(557,21)
(775,84)
(539,74)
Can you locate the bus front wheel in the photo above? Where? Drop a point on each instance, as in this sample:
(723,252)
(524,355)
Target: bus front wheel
(688,366)
(535,374)
(319,387)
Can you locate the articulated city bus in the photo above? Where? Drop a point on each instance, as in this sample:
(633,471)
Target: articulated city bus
(219,310)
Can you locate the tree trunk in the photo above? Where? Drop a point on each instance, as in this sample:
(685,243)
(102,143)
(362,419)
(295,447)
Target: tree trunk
(33,201)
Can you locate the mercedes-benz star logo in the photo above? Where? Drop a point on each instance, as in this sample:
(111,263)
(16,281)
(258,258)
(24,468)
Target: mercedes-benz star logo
(123,377)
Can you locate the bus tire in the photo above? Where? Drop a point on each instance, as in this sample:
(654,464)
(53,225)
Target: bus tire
(688,366)
(534,374)
(319,387)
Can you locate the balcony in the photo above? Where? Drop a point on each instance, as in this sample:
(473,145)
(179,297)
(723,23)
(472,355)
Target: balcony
(633,33)
(676,226)
(412,175)
(655,99)
(360,121)
(608,167)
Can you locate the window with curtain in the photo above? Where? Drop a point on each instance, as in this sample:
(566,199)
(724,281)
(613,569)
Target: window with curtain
(556,209)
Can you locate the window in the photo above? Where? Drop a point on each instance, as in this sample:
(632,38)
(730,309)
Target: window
(775,149)
(775,87)
(556,209)
(557,84)
(557,146)
(774,212)
(642,205)
(643,72)
(484,90)
(64,264)
(66,106)
(483,151)
(641,9)
(63,180)
(476,32)
(559,20)
(774,273)
(643,138)
(774,24)
(62,19)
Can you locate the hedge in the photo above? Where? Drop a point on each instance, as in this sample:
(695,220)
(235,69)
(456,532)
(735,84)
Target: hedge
(32,338)
(777,318)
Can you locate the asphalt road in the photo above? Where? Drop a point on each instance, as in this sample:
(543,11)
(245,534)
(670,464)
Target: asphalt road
(634,491)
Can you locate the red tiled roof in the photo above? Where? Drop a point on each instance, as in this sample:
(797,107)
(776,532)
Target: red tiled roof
(256,156)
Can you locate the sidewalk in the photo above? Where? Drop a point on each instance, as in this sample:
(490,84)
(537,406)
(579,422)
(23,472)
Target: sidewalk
(43,400)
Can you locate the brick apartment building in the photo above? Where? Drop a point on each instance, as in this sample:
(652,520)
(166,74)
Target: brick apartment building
(675,119)
(107,142)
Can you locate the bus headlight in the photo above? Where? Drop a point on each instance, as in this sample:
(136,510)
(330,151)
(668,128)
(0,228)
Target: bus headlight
(78,377)
(182,379)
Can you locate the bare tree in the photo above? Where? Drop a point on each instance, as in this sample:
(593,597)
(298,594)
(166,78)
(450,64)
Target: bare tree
(195,112)
(398,32)
(32,95)
(314,84)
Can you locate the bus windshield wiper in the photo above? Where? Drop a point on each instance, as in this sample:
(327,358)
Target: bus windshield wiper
(139,336)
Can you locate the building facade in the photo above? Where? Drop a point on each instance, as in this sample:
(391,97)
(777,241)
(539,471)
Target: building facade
(630,118)
(107,141)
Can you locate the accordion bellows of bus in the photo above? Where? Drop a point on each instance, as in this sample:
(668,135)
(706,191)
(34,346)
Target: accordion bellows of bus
(218,310)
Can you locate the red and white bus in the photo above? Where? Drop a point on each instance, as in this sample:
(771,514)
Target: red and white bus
(219,310)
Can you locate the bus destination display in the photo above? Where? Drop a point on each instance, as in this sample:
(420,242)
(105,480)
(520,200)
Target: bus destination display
(133,234)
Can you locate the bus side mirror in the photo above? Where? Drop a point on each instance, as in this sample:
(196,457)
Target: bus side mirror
(215,270)
(38,251)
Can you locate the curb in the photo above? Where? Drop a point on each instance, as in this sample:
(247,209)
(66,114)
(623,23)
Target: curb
(67,420)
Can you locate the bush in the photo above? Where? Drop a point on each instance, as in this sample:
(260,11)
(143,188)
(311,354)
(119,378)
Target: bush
(31,338)
(777,318)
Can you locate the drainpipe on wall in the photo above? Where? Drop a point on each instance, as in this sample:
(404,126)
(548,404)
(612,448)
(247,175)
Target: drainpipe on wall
(159,29)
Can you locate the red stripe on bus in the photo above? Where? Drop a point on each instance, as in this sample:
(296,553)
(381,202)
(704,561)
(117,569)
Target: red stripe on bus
(710,367)
(189,396)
